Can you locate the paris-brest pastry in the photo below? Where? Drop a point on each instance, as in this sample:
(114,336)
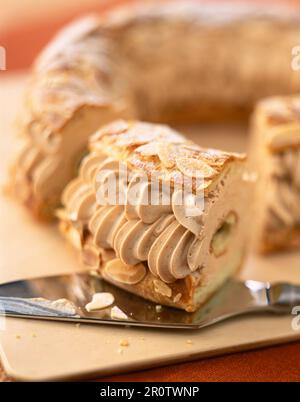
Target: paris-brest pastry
(143,221)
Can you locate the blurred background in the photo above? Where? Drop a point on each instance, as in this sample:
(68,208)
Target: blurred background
(27,25)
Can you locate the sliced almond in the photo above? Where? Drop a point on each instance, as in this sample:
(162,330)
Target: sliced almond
(149,149)
(117,314)
(193,167)
(128,274)
(162,288)
(166,153)
(100,301)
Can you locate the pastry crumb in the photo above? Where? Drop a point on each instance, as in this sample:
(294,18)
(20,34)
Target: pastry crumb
(158,308)
(124,342)
(142,338)
(77,325)
(18,336)
(189,342)
(120,351)
(162,288)
(33,335)
(117,314)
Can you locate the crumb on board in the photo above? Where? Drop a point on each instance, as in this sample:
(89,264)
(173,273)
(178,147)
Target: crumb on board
(189,342)
(77,325)
(18,336)
(33,335)
(158,308)
(120,351)
(124,342)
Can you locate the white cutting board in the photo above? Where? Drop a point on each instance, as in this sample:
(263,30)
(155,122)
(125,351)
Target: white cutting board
(36,350)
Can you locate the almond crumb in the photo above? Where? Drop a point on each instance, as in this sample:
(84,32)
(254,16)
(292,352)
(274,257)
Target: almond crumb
(100,301)
(124,342)
(117,314)
(158,308)
(162,288)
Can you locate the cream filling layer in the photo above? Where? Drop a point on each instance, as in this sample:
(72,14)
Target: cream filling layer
(172,244)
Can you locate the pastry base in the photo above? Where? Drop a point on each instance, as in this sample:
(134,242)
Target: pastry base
(195,289)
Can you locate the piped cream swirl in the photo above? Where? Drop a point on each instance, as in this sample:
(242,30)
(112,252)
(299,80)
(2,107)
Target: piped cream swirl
(172,244)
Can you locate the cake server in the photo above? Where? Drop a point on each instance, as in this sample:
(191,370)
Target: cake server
(41,299)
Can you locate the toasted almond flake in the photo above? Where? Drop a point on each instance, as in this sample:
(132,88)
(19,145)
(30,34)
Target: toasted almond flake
(117,314)
(124,342)
(162,288)
(128,274)
(196,168)
(166,153)
(100,301)
(149,149)
(177,298)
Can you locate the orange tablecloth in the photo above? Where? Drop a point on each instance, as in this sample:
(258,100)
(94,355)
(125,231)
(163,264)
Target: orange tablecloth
(281,363)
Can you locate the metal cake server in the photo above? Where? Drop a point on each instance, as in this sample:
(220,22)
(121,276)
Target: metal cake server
(21,299)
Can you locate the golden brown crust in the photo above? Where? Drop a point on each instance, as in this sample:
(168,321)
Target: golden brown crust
(156,149)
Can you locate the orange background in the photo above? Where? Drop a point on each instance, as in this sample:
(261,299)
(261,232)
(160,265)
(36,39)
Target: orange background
(25,27)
